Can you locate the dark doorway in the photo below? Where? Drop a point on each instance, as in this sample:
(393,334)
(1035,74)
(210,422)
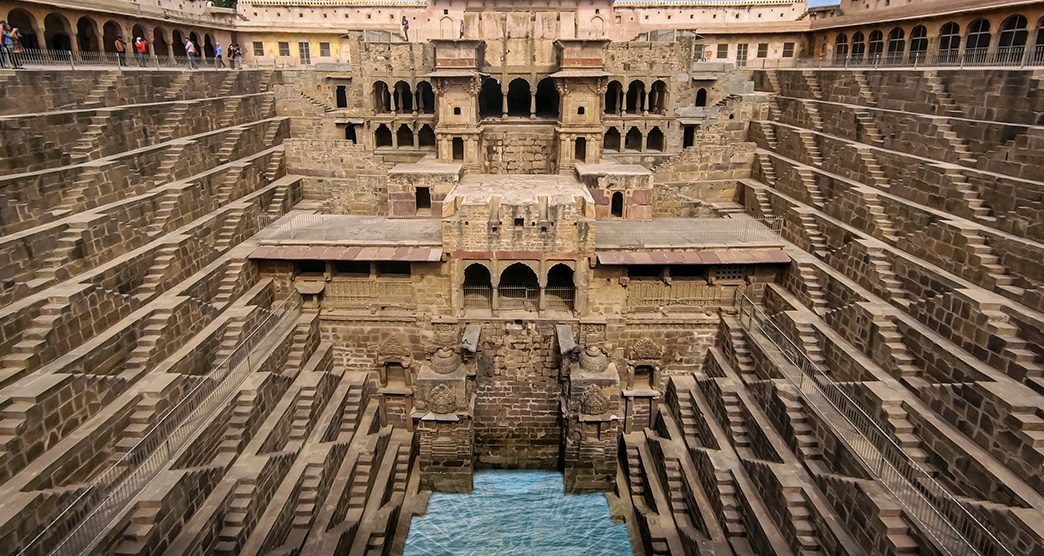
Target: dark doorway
(611,142)
(580,149)
(701,97)
(458,148)
(633,141)
(403,97)
(426,136)
(404,136)
(612,97)
(547,98)
(688,136)
(560,289)
(425,98)
(87,34)
(635,97)
(342,96)
(490,99)
(56,32)
(518,97)
(478,287)
(349,133)
(519,287)
(382,136)
(381,97)
(26,25)
(616,205)
(655,140)
(422,196)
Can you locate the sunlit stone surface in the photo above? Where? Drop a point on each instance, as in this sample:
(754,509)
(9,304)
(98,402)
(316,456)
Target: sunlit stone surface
(517,512)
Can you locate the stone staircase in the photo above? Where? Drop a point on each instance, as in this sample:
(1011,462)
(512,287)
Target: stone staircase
(815,194)
(947,106)
(167,169)
(177,87)
(229,284)
(86,147)
(891,287)
(957,144)
(229,111)
(96,98)
(813,288)
(229,228)
(73,197)
(865,121)
(875,173)
(735,423)
(172,122)
(808,140)
(274,169)
(231,144)
(865,92)
(169,203)
(817,241)
(165,257)
(142,356)
(883,227)
(68,247)
(969,196)
(806,444)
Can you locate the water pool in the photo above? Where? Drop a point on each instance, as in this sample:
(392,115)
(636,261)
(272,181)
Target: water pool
(517,513)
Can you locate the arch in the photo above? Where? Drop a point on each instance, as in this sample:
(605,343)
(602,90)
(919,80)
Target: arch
(1038,49)
(110,31)
(446,27)
(635,97)
(658,97)
(381,97)
(616,205)
(160,45)
(613,94)
(919,43)
(491,98)
(349,133)
(425,98)
(633,140)
(178,41)
(1011,44)
(841,47)
(87,35)
(977,43)
(949,41)
(136,31)
(547,98)
(518,97)
(896,44)
(701,97)
(597,28)
(518,287)
(561,288)
(611,141)
(382,136)
(56,32)
(654,141)
(875,46)
(404,136)
(426,136)
(194,39)
(341,96)
(458,148)
(403,97)
(208,46)
(580,149)
(858,47)
(477,286)
(26,25)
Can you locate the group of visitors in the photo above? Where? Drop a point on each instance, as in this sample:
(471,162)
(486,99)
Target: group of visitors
(10,46)
(141,49)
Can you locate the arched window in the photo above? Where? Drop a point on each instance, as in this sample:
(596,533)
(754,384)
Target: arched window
(518,97)
(208,47)
(654,142)
(178,42)
(616,205)
(518,288)
(635,97)
(490,99)
(613,97)
(580,149)
(547,98)
(919,44)
(425,98)
(458,148)
(611,142)
(658,97)
(404,136)
(858,47)
(1038,49)
(978,41)
(159,43)
(841,48)
(949,42)
(110,31)
(426,136)
(56,33)
(26,25)
(701,97)
(403,97)
(633,140)
(560,288)
(381,97)
(382,136)
(1011,46)
(876,45)
(896,45)
(478,287)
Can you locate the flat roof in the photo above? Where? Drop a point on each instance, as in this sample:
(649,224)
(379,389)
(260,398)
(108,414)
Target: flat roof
(479,189)
(351,230)
(685,233)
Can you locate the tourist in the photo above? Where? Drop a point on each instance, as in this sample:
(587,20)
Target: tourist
(219,62)
(141,46)
(13,43)
(5,45)
(190,53)
(121,51)
(232,55)
(461,29)
(405,28)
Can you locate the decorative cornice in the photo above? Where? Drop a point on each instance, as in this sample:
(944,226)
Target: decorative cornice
(699,3)
(336,3)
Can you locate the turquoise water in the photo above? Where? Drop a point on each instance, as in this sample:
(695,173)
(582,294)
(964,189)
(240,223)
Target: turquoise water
(517,513)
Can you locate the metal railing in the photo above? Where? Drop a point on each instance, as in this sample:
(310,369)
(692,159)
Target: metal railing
(83,522)
(478,297)
(514,297)
(35,58)
(941,516)
(559,297)
(1012,56)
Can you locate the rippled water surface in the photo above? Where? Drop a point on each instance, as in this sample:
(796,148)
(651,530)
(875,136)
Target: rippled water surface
(517,513)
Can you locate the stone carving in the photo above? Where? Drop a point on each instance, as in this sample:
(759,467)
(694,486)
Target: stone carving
(395,347)
(442,400)
(445,361)
(593,401)
(593,360)
(645,349)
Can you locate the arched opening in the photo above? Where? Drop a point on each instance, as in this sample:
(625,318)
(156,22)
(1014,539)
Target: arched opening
(349,133)
(478,287)
(195,41)
(422,200)
(978,41)
(458,148)
(616,207)
(208,47)
(611,141)
(689,136)
(613,94)
(26,25)
(518,97)
(949,42)
(404,136)
(56,33)
(701,97)
(178,41)
(643,378)
(876,46)
(110,32)
(160,45)
(381,97)
(87,35)
(490,99)
(580,149)
(547,98)
(841,48)
(426,136)
(382,136)
(519,288)
(425,98)
(1038,50)
(655,142)
(635,97)
(858,47)
(136,31)
(1011,45)
(633,140)
(658,97)
(560,289)
(403,97)
(341,96)
(919,44)
(896,45)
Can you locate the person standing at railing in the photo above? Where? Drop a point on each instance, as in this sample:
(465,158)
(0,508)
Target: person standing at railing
(141,46)
(9,40)
(233,53)
(190,53)
(121,51)
(406,28)
(219,62)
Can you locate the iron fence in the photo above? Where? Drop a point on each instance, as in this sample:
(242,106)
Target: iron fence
(938,513)
(36,58)
(560,297)
(514,297)
(1011,56)
(83,522)
(478,297)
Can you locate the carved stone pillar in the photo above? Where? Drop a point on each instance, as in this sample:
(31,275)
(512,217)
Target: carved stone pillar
(591,418)
(444,412)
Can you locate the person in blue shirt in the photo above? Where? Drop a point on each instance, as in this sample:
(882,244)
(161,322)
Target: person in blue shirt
(218,60)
